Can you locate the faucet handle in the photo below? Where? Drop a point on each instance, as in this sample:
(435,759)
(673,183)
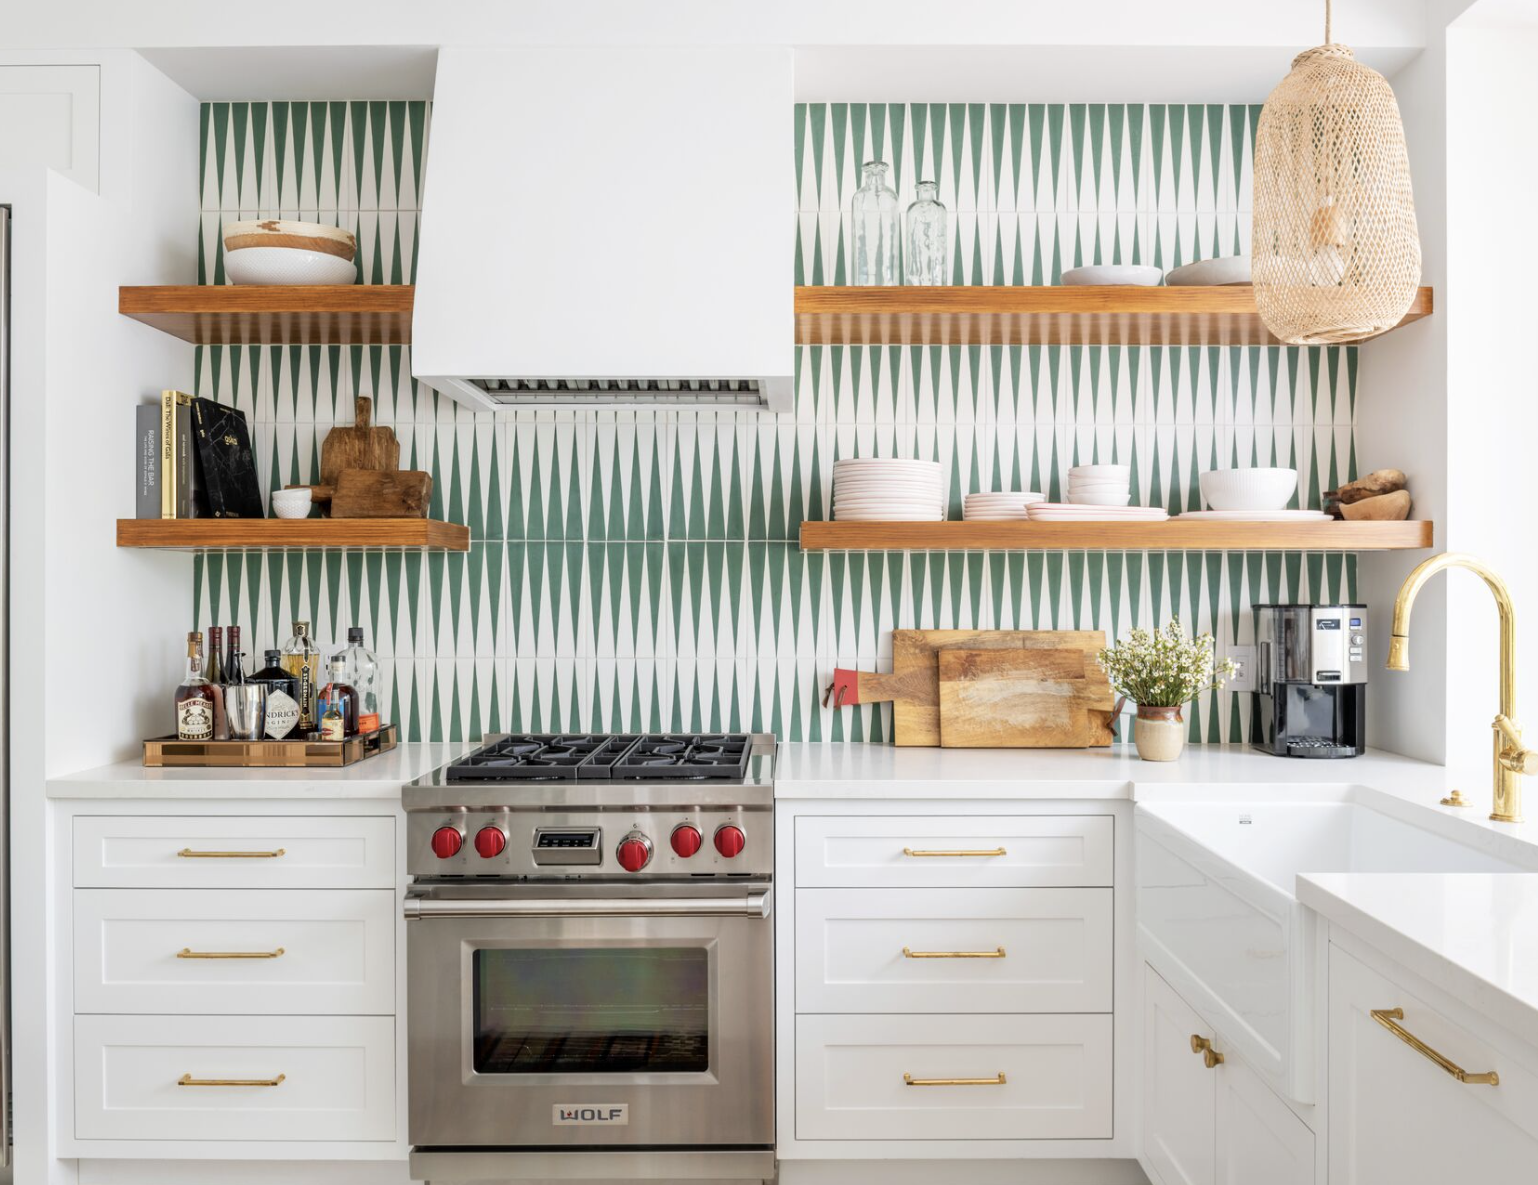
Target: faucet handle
(1520,761)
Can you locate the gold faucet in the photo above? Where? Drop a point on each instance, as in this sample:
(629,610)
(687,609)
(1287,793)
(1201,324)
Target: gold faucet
(1511,759)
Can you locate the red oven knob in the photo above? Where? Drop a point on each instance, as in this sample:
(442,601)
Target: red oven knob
(686,840)
(730,841)
(490,841)
(447,841)
(634,852)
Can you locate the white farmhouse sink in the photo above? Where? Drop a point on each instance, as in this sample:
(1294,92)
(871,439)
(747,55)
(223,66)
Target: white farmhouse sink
(1218,918)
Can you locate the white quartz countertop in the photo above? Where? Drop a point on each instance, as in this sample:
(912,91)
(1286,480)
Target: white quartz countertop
(857,771)
(1474,935)
(374,777)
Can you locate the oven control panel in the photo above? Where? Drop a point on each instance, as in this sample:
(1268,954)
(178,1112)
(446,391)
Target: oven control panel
(615,843)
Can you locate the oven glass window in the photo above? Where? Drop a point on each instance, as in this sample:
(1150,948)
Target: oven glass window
(614,1011)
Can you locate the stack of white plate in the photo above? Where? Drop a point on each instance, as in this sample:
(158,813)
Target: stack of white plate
(1258,516)
(978,507)
(1069,512)
(1100,485)
(882,489)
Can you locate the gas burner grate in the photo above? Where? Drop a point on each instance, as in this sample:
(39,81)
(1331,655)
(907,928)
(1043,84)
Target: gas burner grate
(659,757)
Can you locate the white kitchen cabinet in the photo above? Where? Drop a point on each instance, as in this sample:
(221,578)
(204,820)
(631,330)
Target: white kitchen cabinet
(235,950)
(234,1078)
(1214,1124)
(953,950)
(234,852)
(50,118)
(933,851)
(953,1077)
(1179,1091)
(1399,1118)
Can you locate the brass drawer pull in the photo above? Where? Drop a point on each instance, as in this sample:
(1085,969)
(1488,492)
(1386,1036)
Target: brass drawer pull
(1387,1016)
(955,852)
(910,1080)
(189,1080)
(188,953)
(189,854)
(996,953)
(1211,1058)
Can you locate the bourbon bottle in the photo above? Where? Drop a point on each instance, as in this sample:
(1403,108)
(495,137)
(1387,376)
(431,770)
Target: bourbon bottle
(195,697)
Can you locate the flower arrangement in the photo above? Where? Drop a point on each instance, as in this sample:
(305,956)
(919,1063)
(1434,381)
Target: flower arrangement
(1163,669)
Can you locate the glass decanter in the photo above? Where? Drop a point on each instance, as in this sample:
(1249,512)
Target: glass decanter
(876,233)
(928,236)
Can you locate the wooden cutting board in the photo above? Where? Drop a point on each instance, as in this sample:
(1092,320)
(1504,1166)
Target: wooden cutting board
(1023,699)
(360,447)
(913,686)
(374,493)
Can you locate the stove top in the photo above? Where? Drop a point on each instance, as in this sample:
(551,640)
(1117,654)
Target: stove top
(586,757)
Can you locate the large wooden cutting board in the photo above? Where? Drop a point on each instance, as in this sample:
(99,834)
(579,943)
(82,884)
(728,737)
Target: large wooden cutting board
(913,686)
(360,447)
(1023,699)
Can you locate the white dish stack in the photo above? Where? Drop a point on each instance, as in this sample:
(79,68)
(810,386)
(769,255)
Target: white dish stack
(986,507)
(884,489)
(1100,485)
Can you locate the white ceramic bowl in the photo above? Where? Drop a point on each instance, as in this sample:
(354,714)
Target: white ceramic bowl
(1115,273)
(291,503)
(286,265)
(1248,489)
(1100,472)
(287,232)
(1078,499)
(1229,269)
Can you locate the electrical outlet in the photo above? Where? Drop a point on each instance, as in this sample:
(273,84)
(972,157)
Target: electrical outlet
(1243,678)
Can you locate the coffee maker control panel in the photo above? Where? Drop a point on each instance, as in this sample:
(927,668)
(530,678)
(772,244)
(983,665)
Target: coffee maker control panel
(1339,650)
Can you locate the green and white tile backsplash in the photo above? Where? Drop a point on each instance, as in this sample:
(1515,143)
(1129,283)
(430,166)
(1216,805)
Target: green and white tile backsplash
(640,570)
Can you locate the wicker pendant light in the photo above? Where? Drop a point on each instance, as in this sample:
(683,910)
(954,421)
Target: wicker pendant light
(1336,254)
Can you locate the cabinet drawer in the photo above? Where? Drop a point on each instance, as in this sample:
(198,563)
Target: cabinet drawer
(896,950)
(953,851)
(338,1078)
(850,1081)
(234,852)
(235,950)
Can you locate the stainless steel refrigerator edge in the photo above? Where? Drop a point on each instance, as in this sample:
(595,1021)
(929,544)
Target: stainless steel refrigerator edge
(5,690)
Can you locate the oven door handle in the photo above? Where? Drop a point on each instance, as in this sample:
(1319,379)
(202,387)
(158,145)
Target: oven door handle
(747,905)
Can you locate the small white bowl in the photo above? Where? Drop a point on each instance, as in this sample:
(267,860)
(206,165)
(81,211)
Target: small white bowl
(1248,489)
(1078,499)
(1103,472)
(286,265)
(1115,273)
(291,503)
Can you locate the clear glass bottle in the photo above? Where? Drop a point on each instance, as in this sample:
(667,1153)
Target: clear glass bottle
(194,697)
(876,233)
(282,696)
(363,674)
(301,659)
(928,235)
(213,673)
(339,693)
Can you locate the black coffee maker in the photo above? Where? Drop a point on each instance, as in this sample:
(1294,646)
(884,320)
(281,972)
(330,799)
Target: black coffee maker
(1311,680)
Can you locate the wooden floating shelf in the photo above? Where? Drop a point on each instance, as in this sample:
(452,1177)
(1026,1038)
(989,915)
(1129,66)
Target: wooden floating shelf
(1173,535)
(222,533)
(1059,316)
(233,314)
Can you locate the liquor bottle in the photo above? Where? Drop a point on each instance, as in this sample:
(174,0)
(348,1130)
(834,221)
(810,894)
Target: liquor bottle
(301,659)
(339,694)
(363,674)
(194,697)
(282,696)
(234,664)
(213,673)
(334,700)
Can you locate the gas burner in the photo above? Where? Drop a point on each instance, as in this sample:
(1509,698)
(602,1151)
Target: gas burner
(669,757)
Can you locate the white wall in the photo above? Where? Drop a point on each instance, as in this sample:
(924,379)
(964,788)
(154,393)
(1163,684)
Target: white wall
(1492,420)
(94,630)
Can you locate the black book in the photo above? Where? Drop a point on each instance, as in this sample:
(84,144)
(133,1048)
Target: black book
(228,468)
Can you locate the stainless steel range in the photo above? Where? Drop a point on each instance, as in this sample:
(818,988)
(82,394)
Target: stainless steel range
(591,960)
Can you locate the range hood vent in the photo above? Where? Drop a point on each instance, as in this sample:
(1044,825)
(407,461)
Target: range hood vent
(609,227)
(613,392)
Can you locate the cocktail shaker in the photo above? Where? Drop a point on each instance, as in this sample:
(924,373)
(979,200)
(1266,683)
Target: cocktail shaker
(245,707)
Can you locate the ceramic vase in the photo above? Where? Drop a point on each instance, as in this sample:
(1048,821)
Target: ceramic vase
(1160,733)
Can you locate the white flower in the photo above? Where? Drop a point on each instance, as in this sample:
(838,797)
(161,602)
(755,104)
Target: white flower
(1163,669)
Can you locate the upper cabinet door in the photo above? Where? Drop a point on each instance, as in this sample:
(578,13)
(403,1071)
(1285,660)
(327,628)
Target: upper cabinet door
(50,117)
(1397,1117)
(1179,1091)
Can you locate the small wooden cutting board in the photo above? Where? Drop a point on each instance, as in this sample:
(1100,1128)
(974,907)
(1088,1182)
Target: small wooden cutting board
(1023,699)
(360,447)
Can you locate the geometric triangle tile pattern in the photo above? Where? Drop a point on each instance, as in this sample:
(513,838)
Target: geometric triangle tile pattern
(640,570)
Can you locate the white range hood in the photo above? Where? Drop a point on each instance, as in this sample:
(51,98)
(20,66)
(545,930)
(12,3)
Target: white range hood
(609,226)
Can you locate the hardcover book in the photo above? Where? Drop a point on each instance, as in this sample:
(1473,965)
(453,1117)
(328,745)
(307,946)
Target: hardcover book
(228,468)
(181,479)
(147,461)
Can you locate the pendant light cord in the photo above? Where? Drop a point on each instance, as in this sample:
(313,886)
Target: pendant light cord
(1327,22)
